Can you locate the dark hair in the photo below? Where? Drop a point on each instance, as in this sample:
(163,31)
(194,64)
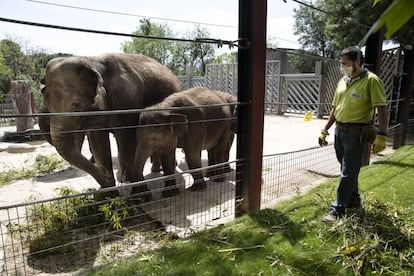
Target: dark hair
(353,53)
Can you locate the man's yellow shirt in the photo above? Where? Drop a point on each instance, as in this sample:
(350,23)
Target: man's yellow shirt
(355,102)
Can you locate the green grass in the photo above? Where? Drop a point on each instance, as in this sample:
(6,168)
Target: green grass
(290,238)
(42,165)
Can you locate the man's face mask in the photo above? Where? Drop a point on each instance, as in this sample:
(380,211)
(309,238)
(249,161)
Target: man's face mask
(346,70)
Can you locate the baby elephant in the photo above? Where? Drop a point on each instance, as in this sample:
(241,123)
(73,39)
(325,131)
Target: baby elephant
(197,125)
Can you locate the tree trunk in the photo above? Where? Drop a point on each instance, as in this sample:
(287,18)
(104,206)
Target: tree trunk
(22,104)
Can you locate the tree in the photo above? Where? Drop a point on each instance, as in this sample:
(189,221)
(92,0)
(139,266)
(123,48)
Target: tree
(19,61)
(348,21)
(158,49)
(310,26)
(271,42)
(225,58)
(201,53)
(173,54)
(304,61)
(14,58)
(181,58)
(398,20)
(342,23)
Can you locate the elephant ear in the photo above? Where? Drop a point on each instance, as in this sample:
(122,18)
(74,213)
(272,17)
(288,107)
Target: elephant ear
(100,98)
(178,124)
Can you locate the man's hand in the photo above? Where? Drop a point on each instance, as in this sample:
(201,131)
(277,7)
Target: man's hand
(379,143)
(322,138)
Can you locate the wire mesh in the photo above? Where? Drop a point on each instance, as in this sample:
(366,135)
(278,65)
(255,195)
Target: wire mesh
(84,229)
(288,173)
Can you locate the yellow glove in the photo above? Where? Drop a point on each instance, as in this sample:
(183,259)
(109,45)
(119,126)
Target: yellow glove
(379,142)
(322,138)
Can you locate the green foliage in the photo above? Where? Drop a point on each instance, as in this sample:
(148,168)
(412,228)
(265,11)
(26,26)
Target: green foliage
(22,64)
(311,27)
(226,58)
(115,211)
(303,61)
(155,48)
(290,238)
(51,226)
(43,165)
(201,53)
(175,55)
(5,82)
(397,16)
(345,23)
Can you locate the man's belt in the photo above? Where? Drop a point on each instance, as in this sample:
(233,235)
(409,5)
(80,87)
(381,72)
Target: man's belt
(353,127)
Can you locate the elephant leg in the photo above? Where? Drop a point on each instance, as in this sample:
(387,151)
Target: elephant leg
(193,159)
(92,159)
(101,148)
(227,167)
(211,161)
(156,163)
(216,174)
(126,142)
(140,191)
(168,164)
(220,154)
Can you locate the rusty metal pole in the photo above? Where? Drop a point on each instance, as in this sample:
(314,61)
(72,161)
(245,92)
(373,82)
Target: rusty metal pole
(373,51)
(251,90)
(407,86)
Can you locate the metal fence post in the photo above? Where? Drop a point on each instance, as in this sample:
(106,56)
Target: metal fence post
(280,95)
(320,70)
(407,83)
(251,84)
(373,53)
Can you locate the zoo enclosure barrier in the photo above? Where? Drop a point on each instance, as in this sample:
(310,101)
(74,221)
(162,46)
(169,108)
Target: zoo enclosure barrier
(77,230)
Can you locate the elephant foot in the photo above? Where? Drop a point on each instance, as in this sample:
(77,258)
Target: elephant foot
(227,169)
(155,168)
(220,178)
(219,171)
(141,194)
(199,186)
(209,173)
(170,192)
(218,175)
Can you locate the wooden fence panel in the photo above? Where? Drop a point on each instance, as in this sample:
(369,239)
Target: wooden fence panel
(272,96)
(302,92)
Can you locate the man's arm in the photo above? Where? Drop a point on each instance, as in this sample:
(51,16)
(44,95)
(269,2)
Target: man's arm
(382,117)
(379,142)
(331,119)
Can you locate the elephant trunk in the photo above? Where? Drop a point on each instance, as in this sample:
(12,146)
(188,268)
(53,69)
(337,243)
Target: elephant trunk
(69,147)
(44,125)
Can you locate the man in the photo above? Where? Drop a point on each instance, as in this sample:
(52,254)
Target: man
(358,94)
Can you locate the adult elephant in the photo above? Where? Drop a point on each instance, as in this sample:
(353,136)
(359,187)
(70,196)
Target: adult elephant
(162,129)
(102,83)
